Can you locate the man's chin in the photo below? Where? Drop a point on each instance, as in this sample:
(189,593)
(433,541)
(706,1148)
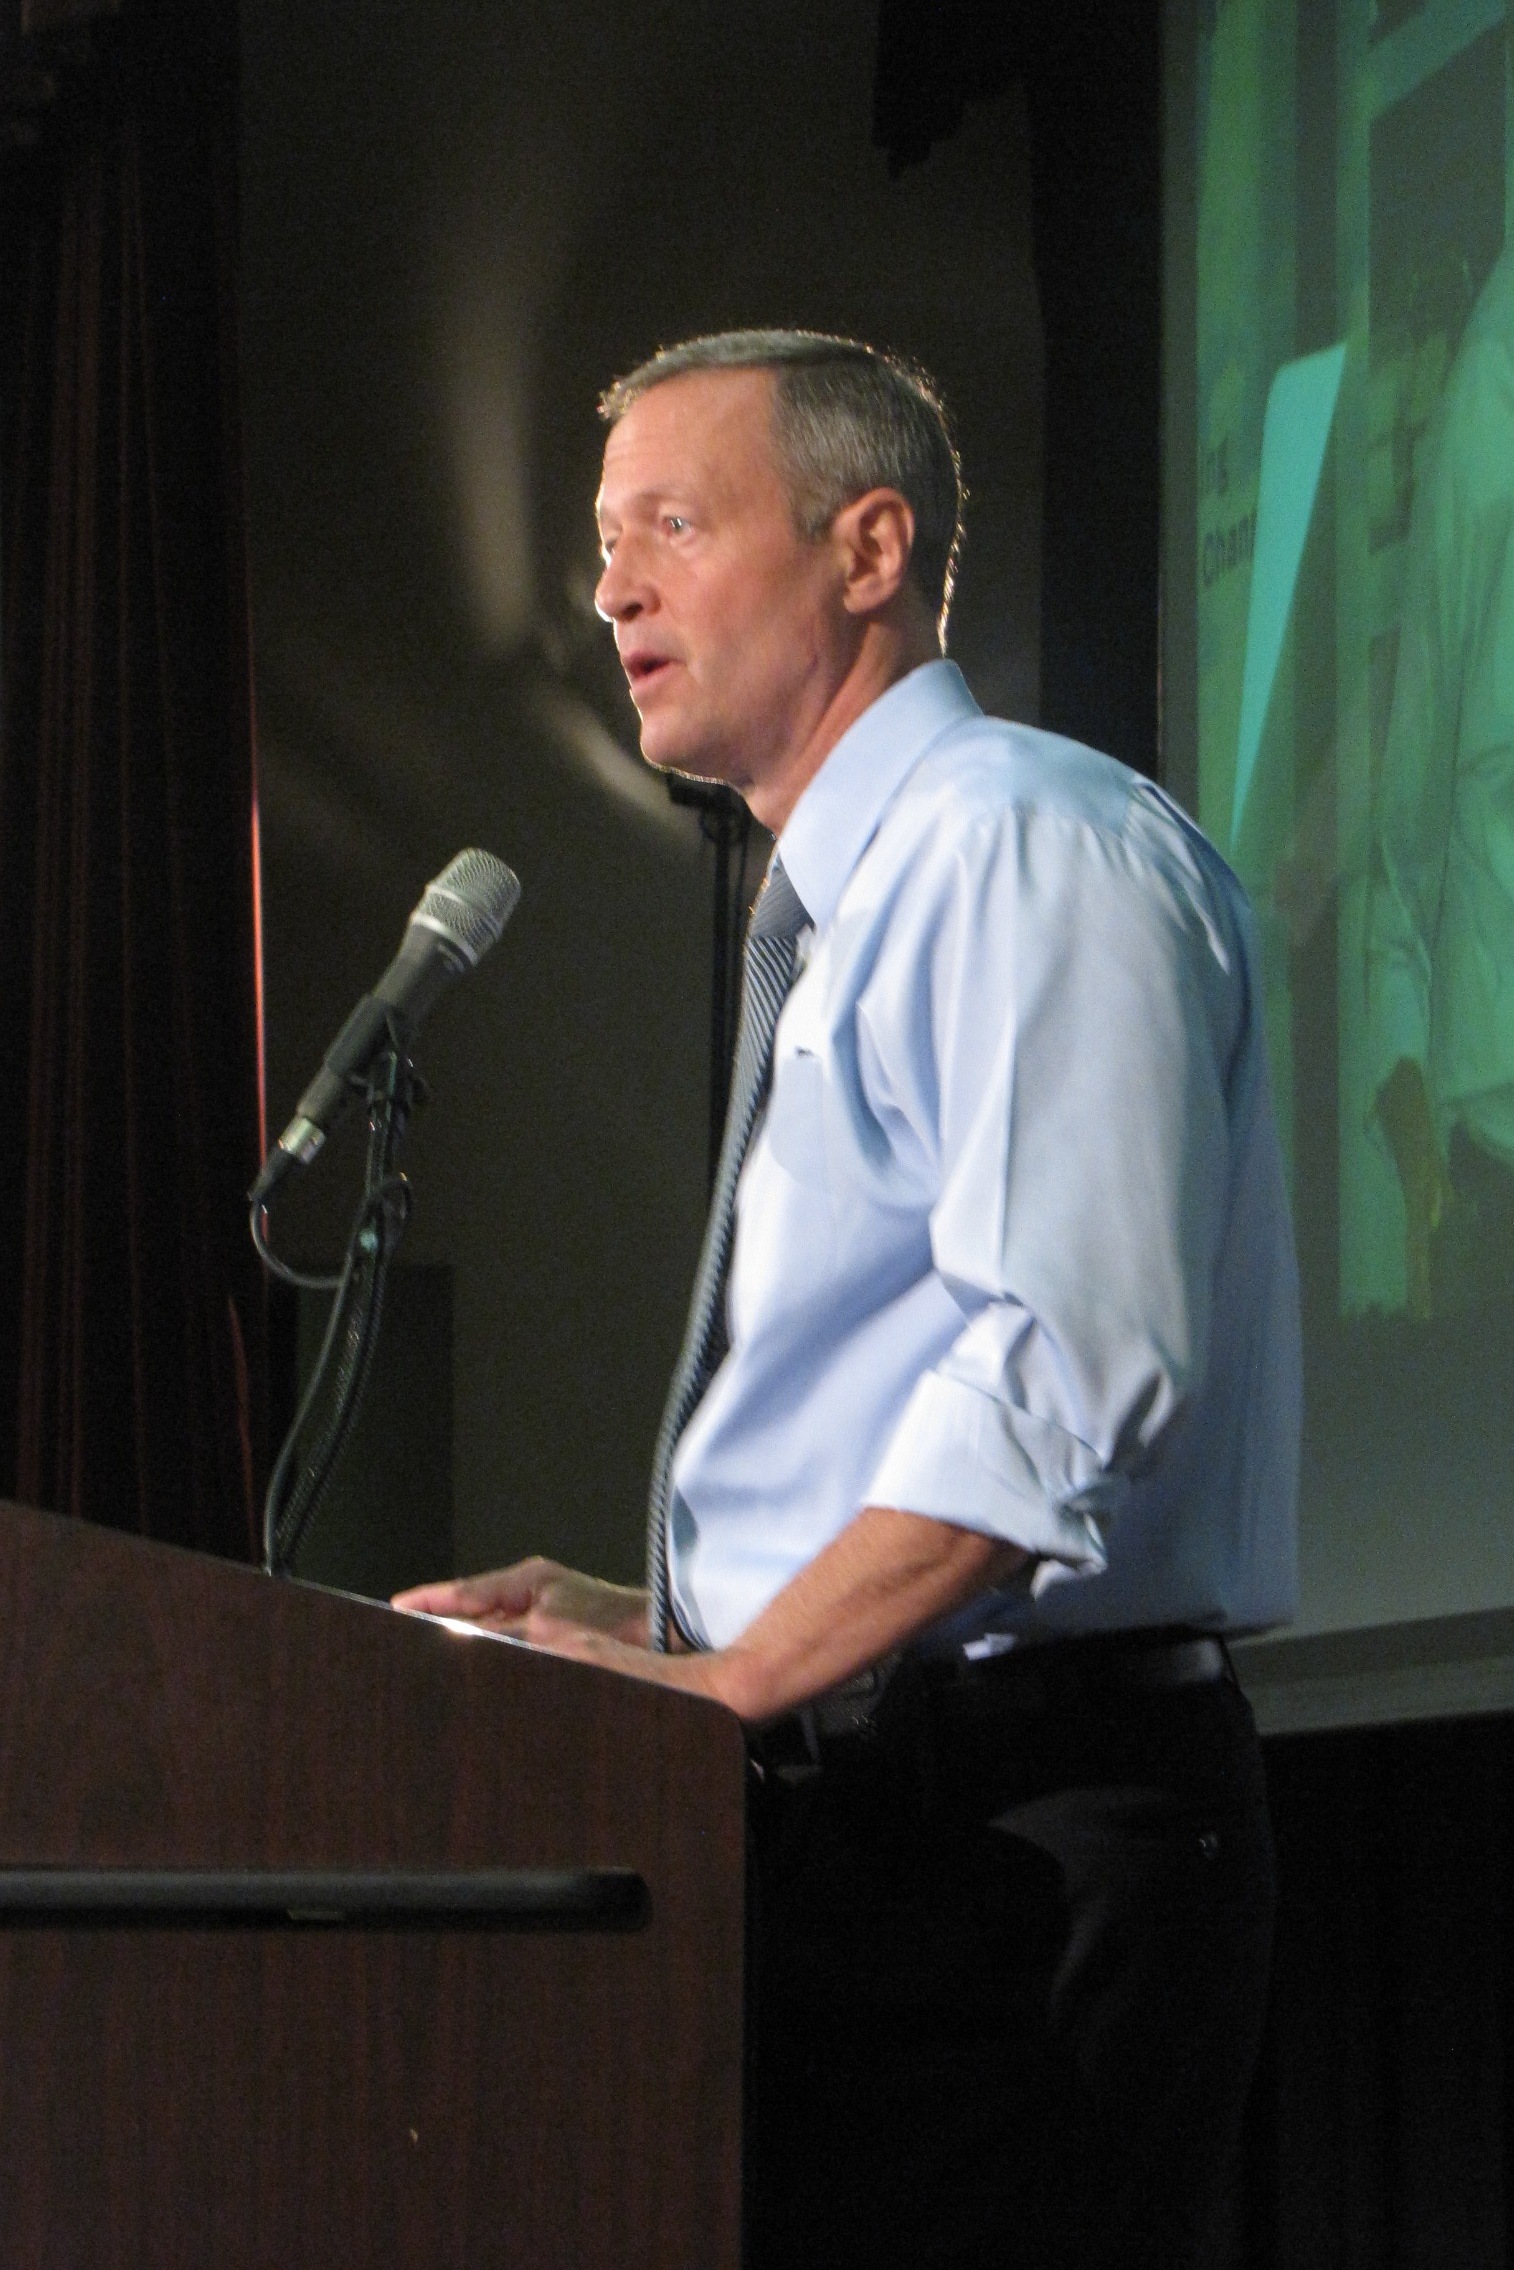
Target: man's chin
(676,754)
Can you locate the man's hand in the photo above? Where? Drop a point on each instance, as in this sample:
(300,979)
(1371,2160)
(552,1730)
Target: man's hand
(536,1600)
(1403,1108)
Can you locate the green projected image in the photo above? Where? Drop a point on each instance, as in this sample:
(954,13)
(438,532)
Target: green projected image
(1338,702)
(1355,607)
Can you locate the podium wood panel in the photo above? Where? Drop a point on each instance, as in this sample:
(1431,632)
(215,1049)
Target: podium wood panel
(263,2097)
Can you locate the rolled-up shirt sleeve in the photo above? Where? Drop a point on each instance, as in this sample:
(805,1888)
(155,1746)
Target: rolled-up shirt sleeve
(1067,1070)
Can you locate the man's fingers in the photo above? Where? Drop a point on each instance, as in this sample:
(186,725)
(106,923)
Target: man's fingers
(427,1599)
(501,1597)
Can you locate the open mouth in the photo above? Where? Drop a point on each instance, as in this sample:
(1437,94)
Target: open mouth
(643,669)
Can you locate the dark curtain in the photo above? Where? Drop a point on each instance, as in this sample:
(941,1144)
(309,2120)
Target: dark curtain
(1381,2128)
(131,1308)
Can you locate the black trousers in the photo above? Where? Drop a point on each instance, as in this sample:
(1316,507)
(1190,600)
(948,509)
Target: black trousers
(1009,1955)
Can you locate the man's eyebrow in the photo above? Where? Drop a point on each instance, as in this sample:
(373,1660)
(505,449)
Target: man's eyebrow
(648,499)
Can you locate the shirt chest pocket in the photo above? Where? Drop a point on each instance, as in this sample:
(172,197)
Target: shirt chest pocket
(795,1130)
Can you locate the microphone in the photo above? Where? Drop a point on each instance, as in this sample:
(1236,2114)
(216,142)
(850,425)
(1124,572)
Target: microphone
(459,918)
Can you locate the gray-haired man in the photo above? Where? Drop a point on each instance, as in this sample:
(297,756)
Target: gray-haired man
(1000,1424)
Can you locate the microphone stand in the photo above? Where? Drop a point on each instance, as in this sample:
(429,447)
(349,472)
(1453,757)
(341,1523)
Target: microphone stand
(300,1478)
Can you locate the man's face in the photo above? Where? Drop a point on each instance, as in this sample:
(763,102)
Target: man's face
(729,624)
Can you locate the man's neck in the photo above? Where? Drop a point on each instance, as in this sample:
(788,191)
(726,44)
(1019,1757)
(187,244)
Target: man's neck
(884,655)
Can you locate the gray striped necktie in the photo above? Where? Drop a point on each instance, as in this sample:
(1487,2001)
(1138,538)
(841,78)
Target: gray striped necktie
(768,973)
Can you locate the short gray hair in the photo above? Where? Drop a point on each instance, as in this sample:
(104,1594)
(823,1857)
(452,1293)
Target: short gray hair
(846,418)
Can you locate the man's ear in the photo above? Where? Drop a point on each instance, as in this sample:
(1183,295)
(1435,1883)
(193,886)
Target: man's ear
(876,535)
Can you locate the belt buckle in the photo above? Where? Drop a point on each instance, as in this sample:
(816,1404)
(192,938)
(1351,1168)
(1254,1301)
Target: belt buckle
(791,1749)
(851,1709)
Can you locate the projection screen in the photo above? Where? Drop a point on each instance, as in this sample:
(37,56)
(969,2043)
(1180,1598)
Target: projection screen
(1338,709)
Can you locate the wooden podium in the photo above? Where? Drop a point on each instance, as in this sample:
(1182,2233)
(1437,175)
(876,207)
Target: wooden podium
(331,1939)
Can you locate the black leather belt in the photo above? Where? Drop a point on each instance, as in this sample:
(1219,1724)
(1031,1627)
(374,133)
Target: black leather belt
(1034,1676)
(1145,1659)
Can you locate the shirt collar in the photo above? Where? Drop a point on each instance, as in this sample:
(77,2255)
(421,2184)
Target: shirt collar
(835,819)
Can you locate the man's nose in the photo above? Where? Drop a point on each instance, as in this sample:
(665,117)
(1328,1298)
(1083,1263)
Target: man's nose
(619,594)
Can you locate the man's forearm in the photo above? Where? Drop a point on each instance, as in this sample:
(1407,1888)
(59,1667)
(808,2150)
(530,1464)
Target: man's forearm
(885,1578)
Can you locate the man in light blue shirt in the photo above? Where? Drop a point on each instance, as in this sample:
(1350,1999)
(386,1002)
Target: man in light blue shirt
(1005,1429)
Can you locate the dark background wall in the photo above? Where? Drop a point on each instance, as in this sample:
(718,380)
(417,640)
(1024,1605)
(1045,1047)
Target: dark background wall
(459,221)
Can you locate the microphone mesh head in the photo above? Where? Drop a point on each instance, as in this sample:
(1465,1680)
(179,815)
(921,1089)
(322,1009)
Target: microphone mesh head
(470,902)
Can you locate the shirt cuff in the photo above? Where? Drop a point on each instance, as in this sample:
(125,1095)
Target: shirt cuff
(960,1456)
